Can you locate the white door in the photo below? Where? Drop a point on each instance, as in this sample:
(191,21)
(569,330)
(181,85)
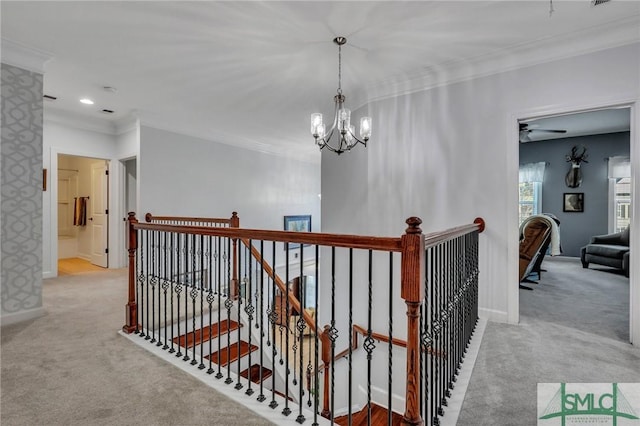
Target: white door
(99,214)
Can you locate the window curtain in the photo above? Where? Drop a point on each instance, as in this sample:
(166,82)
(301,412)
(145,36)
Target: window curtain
(619,167)
(532,172)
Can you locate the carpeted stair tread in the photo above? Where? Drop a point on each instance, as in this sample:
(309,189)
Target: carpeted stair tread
(225,327)
(254,372)
(231,353)
(379,416)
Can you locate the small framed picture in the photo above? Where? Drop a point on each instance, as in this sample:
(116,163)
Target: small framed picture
(573,202)
(300,223)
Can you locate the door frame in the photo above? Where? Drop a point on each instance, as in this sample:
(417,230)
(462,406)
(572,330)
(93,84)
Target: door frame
(113,202)
(513,156)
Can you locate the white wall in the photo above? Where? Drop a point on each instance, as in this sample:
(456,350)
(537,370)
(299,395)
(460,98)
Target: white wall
(449,154)
(186,176)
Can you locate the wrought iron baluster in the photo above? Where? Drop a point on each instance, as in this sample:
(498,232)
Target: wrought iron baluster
(249,308)
(211,297)
(178,290)
(165,287)
(286,410)
(261,396)
(241,299)
(350,340)
(228,304)
(369,344)
(142,281)
(273,318)
(390,354)
(333,334)
(300,328)
(147,277)
(185,275)
(203,276)
(159,283)
(221,258)
(193,293)
(316,386)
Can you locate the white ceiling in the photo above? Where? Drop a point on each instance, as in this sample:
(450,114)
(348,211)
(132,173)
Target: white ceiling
(250,73)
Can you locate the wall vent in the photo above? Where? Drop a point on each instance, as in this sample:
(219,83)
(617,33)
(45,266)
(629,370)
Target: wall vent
(107,111)
(599,2)
(49,97)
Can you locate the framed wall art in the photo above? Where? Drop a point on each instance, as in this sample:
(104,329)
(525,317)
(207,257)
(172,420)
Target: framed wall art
(573,202)
(299,223)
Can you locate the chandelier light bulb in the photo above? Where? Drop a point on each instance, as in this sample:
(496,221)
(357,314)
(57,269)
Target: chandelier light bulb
(345,131)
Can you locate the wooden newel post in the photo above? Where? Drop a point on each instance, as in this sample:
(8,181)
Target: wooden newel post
(131,309)
(234,223)
(326,360)
(412,291)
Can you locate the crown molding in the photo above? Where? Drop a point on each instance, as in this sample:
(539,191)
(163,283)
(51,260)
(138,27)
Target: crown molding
(77,121)
(24,57)
(127,124)
(611,35)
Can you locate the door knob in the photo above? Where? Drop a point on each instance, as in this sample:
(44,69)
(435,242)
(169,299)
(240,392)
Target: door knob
(90,218)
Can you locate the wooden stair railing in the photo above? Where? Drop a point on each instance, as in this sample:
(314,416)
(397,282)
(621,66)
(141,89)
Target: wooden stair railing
(412,246)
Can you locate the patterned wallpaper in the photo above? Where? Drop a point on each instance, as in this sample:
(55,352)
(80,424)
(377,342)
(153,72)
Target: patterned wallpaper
(21,190)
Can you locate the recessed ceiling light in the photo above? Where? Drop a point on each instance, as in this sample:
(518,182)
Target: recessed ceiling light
(86,101)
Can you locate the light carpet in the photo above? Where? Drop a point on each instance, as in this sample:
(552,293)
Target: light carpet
(71,367)
(556,341)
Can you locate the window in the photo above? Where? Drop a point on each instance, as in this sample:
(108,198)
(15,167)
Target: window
(530,199)
(619,193)
(622,203)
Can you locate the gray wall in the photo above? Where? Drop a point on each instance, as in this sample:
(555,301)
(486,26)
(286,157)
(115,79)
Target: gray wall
(21,188)
(577,228)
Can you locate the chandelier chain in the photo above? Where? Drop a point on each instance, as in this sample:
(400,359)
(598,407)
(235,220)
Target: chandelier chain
(339,69)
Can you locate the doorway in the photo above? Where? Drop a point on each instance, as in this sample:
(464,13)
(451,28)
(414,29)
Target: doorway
(594,299)
(83,213)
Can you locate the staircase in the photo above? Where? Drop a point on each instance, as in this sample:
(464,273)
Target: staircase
(379,416)
(226,345)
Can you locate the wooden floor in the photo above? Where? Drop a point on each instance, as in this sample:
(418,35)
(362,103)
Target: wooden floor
(74,265)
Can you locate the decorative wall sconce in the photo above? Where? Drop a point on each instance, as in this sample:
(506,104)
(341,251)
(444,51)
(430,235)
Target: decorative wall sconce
(573,179)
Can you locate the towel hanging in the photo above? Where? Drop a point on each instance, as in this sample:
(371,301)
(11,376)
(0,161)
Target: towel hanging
(80,211)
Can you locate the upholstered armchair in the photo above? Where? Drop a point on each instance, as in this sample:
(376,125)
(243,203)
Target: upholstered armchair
(609,250)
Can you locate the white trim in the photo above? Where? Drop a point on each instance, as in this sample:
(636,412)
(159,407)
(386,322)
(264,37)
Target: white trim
(8,319)
(21,56)
(493,315)
(610,35)
(464,377)
(76,121)
(513,296)
(311,157)
(250,402)
(634,273)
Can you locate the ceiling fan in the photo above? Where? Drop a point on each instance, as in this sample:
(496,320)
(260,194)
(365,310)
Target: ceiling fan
(526,129)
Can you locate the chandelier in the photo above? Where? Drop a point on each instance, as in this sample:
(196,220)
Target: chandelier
(346,137)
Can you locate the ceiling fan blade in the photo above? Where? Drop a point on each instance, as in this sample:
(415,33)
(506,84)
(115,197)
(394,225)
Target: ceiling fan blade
(547,130)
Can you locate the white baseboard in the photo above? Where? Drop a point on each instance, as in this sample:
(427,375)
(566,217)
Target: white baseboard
(48,274)
(493,315)
(8,319)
